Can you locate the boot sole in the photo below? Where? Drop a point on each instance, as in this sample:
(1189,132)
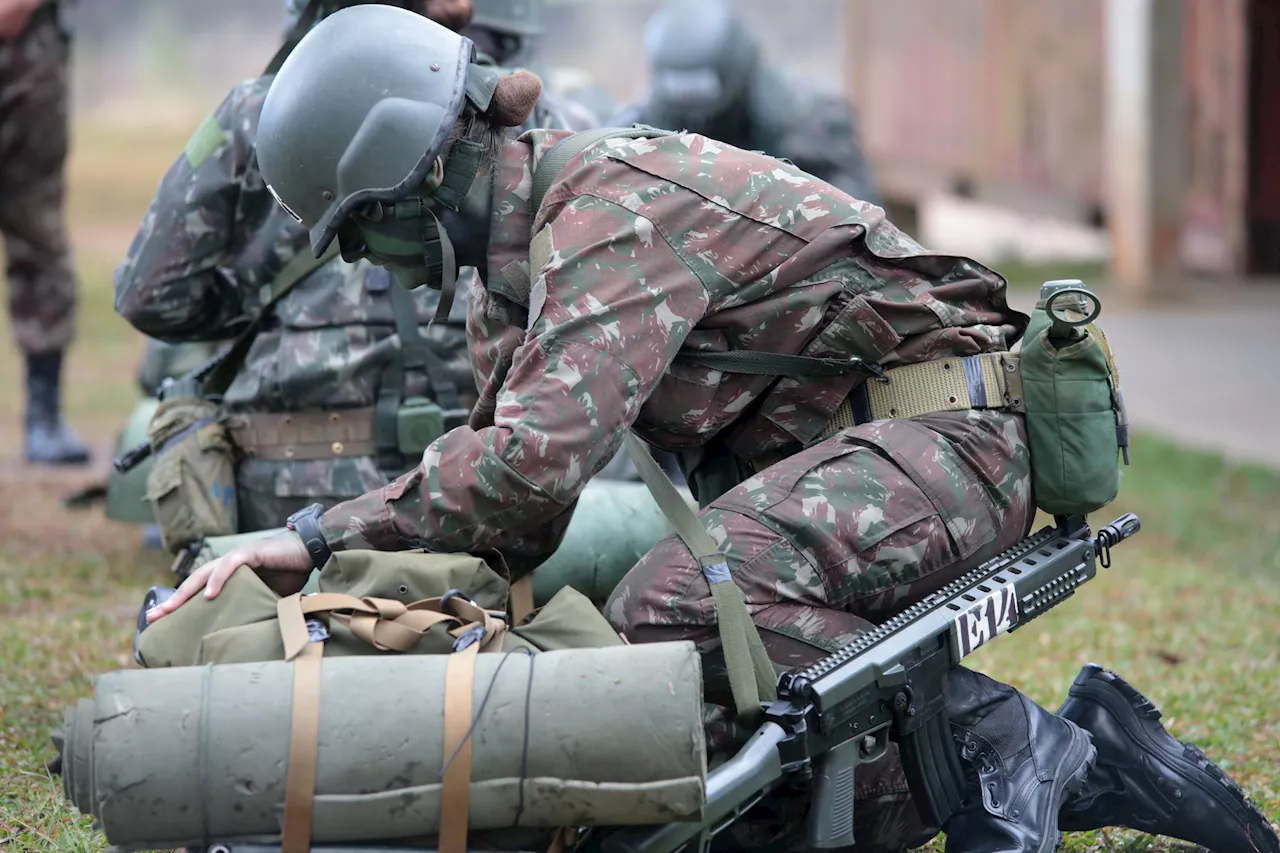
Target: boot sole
(1140,719)
(1081,755)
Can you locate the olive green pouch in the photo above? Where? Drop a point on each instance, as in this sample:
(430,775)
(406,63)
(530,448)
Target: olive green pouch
(192,483)
(1076,424)
(419,422)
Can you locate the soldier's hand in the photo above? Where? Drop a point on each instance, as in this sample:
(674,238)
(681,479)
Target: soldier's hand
(15,15)
(284,552)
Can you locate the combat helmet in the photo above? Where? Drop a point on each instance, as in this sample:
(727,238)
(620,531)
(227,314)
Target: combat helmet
(355,138)
(506,29)
(701,57)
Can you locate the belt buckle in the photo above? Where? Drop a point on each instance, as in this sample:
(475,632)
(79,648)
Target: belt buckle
(872,368)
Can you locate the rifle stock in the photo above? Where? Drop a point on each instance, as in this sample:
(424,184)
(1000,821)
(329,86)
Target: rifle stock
(840,711)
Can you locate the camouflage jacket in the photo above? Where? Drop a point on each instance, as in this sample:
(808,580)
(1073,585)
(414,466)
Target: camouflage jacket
(815,130)
(642,249)
(198,269)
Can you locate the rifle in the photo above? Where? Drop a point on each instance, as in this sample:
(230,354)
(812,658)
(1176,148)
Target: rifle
(840,711)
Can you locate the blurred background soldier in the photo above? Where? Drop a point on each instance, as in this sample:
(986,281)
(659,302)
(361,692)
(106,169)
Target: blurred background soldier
(706,76)
(332,362)
(343,366)
(34,53)
(506,33)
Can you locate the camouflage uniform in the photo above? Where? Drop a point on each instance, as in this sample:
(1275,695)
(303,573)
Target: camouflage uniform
(212,239)
(33,152)
(646,248)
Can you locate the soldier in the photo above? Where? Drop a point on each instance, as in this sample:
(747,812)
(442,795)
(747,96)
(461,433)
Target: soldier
(212,240)
(200,267)
(706,77)
(505,31)
(34,53)
(622,298)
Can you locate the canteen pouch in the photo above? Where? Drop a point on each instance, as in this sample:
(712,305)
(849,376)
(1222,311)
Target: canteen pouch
(419,422)
(191,486)
(1075,418)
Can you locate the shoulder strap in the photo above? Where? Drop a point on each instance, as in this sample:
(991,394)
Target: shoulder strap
(554,161)
(415,353)
(751,675)
(218,378)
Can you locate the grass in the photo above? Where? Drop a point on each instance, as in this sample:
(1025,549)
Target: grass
(1190,612)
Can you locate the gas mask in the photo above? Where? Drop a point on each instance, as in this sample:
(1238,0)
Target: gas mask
(406,236)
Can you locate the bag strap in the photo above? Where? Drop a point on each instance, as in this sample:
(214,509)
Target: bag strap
(554,161)
(304,731)
(751,676)
(217,377)
(415,353)
(386,624)
(455,781)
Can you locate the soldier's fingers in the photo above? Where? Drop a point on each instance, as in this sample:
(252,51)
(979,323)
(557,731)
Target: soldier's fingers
(189,587)
(218,577)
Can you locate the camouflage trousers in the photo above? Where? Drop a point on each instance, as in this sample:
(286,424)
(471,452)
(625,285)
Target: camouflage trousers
(33,153)
(828,542)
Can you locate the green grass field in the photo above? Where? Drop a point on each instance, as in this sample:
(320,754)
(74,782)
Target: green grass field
(1190,612)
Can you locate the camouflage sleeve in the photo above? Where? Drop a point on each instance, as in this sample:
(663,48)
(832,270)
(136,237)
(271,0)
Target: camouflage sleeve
(610,307)
(179,280)
(825,142)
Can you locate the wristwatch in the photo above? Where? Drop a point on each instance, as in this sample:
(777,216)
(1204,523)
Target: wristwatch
(306,523)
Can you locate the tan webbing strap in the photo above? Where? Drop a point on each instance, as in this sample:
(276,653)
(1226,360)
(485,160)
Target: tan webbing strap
(986,381)
(455,787)
(304,751)
(305,435)
(751,676)
(521,599)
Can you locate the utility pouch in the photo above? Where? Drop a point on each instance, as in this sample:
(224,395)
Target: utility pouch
(1076,422)
(191,486)
(419,422)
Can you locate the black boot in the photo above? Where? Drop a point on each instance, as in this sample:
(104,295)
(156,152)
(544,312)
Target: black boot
(50,441)
(1023,764)
(1146,779)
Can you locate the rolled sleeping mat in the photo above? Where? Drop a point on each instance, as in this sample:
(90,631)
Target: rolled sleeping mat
(613,526)
(177,757)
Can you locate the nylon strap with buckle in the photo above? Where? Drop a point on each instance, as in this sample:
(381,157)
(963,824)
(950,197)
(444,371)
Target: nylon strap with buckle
(388,625)
(415,353)
(751,676)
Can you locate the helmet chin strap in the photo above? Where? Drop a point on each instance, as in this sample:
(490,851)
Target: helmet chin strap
(448,269)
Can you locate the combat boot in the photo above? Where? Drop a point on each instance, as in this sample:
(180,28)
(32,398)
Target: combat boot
(1146,779)
(49,440)
(1022,762)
